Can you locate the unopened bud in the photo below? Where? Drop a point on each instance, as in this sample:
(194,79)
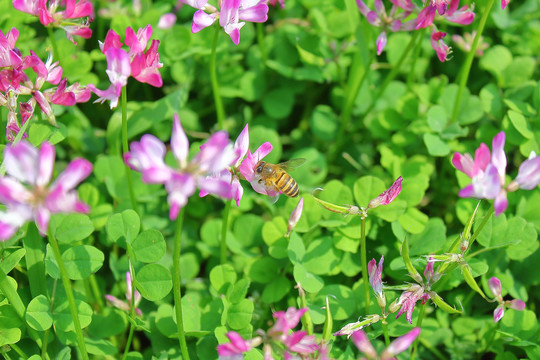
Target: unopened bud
(295,216)
(388,195)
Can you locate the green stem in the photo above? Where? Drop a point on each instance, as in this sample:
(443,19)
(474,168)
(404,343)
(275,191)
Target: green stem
(385,332)
(393,73)
(260,41)
(176,285)
(466,69)
(56,54)
(357,77)
(410,76)
(96,291)
(492,336)
(481,226)
(418,324)
(125,149)
(220,110)
(18,350)
(306,318)
(224,224)
(69,293)
(132,314)
(363,255)
(11,294)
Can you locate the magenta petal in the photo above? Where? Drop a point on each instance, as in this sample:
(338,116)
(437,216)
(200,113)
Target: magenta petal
(242,145)
(46,163)
(166,21)
(112,40)
(262,151)
(401,344)
(12,191)
(482,158)
(425,17)
(498,157)
(6,230)
(179,142)
(201,20)
(234,33)
(76,171)
(528,176)
(495,286)
(498,313)
(463,163)
(504,3)
(517,305)
(118,66)
(381,42)
(257,13)
(22,161)
(216,186)
(363,344)
(501,203)
(42,220)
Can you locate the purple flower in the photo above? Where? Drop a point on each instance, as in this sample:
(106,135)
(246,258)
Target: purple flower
(462,16)
(248,165)
(496,289)
(439,46)
(237,346)
(74,18)
(147,157)
(295,216)
(488,173)
(25,192)
(126,305)
(396,347)
(300,343)
(121,64)
(504,3)
(408,300)
(166,21)
(387,196)
(375,279)
(286,320)
(229,15)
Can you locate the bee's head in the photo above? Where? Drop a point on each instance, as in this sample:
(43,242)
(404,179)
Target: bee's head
(259,167)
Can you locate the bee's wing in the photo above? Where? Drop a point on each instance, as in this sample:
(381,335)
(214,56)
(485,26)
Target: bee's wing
(291,164)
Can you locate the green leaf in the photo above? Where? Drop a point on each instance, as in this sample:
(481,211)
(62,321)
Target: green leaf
(314,170)
(82,261)
(38,313)
(109,322)
(72,228)
(62,316)
(341,299)
(324,122)
(278,103)
(264,269)
(191,312)
(520,123)
(12,260)
(238,291)
(222,276)
(296,248)
(310,282)
(495,60)
(122,225)
(413,221)
(154,281)
(321,258)
(100,347)
(435,145)
(437,118)
(276,290)
(367,188)
(328,322)
(469,279)
(239,315)
(431,239)
(149,246)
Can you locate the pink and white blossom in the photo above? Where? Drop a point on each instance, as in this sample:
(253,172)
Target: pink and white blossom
(439,46)
(25,189)
(126,305)
(496,289)
(295,216)
(387,196)
(396,347)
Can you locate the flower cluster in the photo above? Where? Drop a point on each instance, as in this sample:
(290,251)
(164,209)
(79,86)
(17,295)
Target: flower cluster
(75,16)
(130,298)
(488,173)
(401,10)
(15,82)
(25,190)
(148,157)
(495,287)
(229,15)
(121,64)
(277,339)
(397,346)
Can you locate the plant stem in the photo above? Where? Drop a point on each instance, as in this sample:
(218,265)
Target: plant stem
(306,318)
(220,110)
(56,55)
(224,223)
(481,226)
(466,69)
(18,350)
(357,77)
(363,256)
(490,341)
(176,285)
(410,76)
(69,294)
(125,149)
(393,73)
(260,41)
(385,332)
(132,313)
(418,324)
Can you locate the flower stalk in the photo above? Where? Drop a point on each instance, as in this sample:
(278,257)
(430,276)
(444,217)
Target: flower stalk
(69,293)
(54,46)
(224,225)
(125,149)
(363,256)
(218,102)
(466,69)
(177,292)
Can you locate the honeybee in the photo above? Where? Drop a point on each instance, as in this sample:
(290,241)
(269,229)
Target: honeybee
(275,179)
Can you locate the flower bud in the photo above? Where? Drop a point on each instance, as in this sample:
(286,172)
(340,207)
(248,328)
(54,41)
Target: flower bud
(388,195)
(295,216)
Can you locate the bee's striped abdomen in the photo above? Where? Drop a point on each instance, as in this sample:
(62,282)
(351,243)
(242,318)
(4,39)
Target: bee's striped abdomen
(286,184)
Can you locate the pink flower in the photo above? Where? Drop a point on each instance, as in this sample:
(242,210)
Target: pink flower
(528,176)
(248,165)
(504,3)
(300,343)
(237,346)
(229,15)
(387,196)
(375,280)
(295,216)
(121,64)
(274,2)
(496,289)
(286,320)
(74,18)
(147,157)
(396,347)
(465,43)
(25,192)
(408,300)
(126,305)
(166,21)
(439,46)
